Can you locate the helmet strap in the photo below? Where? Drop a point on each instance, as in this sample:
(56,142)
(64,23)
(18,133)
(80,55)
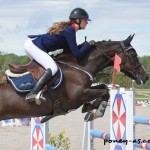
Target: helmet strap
(79,24)
(74,21)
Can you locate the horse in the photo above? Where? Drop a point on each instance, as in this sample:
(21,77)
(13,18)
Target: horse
(75,89)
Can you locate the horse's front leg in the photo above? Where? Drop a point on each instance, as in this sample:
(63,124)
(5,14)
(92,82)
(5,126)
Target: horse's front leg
(90,94)
(89,106)
(101,97)
(98,113)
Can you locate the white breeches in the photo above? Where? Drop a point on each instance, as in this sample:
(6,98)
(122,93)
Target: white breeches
(40,56)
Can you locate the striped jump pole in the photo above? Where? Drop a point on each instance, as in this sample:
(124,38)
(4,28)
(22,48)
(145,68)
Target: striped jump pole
(99,134)
(143,145)
(141,120)
(105,136)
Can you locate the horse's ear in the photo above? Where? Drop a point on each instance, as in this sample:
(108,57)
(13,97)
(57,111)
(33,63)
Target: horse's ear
(128,40)
(132,37)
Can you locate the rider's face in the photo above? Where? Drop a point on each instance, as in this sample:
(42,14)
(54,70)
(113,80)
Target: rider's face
(83,23)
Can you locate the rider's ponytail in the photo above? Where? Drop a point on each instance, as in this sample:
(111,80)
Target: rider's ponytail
(58,26)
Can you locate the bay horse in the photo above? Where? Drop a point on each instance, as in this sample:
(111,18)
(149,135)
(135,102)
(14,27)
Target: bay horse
(75,89)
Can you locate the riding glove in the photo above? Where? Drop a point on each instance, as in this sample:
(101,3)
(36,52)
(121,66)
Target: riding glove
(92,42)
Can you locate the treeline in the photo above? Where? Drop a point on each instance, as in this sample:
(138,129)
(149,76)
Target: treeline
(7,58)
(103,77)
(106,76)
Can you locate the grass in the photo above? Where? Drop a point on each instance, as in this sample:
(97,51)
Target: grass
(142,94)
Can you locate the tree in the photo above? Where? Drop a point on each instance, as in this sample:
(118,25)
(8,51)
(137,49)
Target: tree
(145,60)
(24,60)
(6,59)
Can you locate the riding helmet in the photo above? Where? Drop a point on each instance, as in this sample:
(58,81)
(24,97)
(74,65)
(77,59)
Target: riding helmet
(78,13)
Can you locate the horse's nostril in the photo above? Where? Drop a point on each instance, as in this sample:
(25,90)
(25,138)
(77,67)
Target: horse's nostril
(147,78)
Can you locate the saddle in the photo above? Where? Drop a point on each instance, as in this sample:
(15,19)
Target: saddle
(37,70)
(33,67)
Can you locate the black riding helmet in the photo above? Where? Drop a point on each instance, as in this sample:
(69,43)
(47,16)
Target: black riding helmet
(78,13)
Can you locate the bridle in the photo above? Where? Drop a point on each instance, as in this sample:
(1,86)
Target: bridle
(124,52)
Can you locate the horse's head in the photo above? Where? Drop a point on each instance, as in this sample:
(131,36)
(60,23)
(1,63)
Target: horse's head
(102,56)
(130,64)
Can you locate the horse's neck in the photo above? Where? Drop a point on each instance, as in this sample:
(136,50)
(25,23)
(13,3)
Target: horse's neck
(89,63)
(95,63)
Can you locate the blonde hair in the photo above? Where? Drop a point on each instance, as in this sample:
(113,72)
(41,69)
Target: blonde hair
(58,26)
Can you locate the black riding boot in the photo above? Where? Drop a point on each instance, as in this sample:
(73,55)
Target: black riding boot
(39,85)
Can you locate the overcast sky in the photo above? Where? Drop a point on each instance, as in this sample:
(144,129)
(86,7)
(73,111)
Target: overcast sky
(111,19)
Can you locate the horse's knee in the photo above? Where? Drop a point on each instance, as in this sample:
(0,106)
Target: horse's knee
(88,107)
(103,86)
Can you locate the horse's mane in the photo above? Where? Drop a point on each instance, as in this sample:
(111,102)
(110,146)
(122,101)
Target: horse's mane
(105,44)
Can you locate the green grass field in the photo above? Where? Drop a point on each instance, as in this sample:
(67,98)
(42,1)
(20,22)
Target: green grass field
(142,94)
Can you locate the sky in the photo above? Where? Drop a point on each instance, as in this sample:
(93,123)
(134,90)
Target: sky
(111,19)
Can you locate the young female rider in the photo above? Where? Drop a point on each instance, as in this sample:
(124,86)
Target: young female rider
(60,35)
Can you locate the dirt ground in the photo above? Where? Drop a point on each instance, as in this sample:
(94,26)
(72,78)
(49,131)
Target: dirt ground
(18,138)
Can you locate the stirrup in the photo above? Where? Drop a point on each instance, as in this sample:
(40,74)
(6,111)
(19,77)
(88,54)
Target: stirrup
(37,98)
(40,96)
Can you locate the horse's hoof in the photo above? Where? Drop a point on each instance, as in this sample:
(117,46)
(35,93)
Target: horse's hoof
(38,101)
(46,118)
(42,98)
(84,108)
(101,109)
(88,107)
(89,117)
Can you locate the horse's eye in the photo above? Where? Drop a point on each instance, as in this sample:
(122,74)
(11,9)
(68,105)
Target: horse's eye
(133,53)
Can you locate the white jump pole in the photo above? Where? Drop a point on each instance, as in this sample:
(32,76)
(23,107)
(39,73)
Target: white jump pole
(39,134)
(88,141)
(121,123)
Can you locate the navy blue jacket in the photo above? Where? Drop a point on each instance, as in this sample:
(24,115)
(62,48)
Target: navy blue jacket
(65,39)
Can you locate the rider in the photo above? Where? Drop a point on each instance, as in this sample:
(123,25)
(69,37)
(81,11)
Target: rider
(60,35)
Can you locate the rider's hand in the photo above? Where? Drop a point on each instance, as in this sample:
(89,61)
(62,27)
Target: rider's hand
(92,42)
